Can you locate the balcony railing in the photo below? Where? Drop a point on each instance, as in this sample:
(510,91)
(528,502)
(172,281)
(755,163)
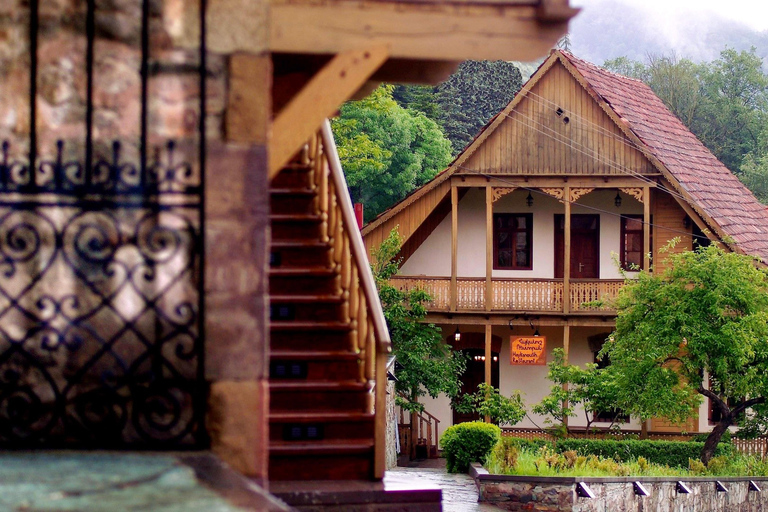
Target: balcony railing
(513,294)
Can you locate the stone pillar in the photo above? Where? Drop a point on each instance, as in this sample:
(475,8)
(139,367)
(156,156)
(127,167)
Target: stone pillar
(237,232)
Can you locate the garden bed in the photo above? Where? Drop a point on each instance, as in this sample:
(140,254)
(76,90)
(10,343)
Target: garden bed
(555,494)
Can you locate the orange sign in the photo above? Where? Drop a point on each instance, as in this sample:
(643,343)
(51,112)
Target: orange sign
(528,350)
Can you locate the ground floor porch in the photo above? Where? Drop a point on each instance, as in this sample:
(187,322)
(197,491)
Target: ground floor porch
(497,355)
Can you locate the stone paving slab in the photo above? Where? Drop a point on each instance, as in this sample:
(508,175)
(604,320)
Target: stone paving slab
(459,490)
(106,482)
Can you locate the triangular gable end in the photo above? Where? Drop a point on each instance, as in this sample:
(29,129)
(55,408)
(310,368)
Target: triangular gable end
(528,112)
(555,127)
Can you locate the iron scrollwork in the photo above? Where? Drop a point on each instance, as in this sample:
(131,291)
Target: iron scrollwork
(99,331)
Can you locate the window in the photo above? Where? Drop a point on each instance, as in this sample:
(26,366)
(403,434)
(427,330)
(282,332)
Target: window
(632,249)
(512,241)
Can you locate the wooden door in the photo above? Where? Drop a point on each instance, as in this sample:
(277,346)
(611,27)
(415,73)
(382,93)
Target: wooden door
(473,376)
(585,246)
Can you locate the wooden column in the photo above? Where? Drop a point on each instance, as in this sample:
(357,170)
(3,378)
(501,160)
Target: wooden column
(488,247)
(488,358)
(454,241)
(566,350)
(567,255)
(646,228)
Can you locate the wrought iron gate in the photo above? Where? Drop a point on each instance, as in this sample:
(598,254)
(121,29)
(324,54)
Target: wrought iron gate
(101,237)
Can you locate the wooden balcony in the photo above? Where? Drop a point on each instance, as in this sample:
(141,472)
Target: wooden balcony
(514,295)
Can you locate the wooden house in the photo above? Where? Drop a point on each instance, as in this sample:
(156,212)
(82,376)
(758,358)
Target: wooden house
(583,173)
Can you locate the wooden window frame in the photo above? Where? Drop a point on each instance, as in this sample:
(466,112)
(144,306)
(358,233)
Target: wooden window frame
(529,233)
(623,249)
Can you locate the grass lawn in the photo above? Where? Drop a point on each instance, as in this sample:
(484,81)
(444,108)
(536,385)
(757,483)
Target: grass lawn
(508,459)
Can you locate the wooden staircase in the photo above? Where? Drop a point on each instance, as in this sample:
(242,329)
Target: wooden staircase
(323,353)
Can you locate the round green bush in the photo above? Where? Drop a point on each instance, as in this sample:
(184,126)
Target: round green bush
(468,442)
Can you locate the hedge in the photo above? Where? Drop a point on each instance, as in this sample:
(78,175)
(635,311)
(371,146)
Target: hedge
(670,453)
(468,442)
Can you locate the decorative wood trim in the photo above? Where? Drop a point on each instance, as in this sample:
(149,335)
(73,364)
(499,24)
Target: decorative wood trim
(336,82)
(635,192)
(499,192)
(557,193)
(575,193)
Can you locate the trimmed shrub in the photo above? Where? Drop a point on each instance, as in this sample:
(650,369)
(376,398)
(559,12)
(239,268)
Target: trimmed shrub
(468,442)
(669,453)
(700,438)
(531,445)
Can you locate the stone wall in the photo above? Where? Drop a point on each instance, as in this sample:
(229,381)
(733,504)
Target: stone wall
(617,494)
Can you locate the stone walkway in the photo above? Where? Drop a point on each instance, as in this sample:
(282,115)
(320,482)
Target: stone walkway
(459,491)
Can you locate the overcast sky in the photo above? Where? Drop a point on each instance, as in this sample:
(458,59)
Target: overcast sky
(753,13)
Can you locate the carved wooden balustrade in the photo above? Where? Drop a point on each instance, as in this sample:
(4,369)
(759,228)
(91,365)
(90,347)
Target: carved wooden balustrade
(514,294)
(356,285)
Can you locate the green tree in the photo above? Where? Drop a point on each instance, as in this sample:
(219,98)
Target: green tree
(387,151)
(428,365)
(724,102)
(488,401)
(736,92)
(593,388)
(705,316)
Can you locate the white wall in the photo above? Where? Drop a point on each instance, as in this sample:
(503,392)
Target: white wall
(433,257)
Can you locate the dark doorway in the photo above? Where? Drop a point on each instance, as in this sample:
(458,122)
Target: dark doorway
(474,376)
(585,246)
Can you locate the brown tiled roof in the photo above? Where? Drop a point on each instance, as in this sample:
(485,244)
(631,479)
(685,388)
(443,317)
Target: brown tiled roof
(713,188)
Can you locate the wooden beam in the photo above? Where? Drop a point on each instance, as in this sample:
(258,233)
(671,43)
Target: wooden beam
(415,71)
(488,248)
(470,180)
(448,31)
(646,228)
(488,339)
(454,242)
(480,318)
(567,255)
(318,100)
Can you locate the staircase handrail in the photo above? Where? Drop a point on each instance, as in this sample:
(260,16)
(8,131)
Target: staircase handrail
(423,411)
(383,342)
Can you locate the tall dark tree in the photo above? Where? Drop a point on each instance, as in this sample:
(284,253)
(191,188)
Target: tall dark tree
(462,104)
(477,91)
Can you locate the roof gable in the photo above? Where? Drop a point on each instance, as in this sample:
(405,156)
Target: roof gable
(710,188)
(555,128)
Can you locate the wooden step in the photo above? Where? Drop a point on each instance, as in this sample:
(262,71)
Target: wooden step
(311,281)
(294,175)
(316,336)
(291,201)
(323,460)
(314,365)
(292,426)
(292,395)
(299,253)
(306,307)
(299,226)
